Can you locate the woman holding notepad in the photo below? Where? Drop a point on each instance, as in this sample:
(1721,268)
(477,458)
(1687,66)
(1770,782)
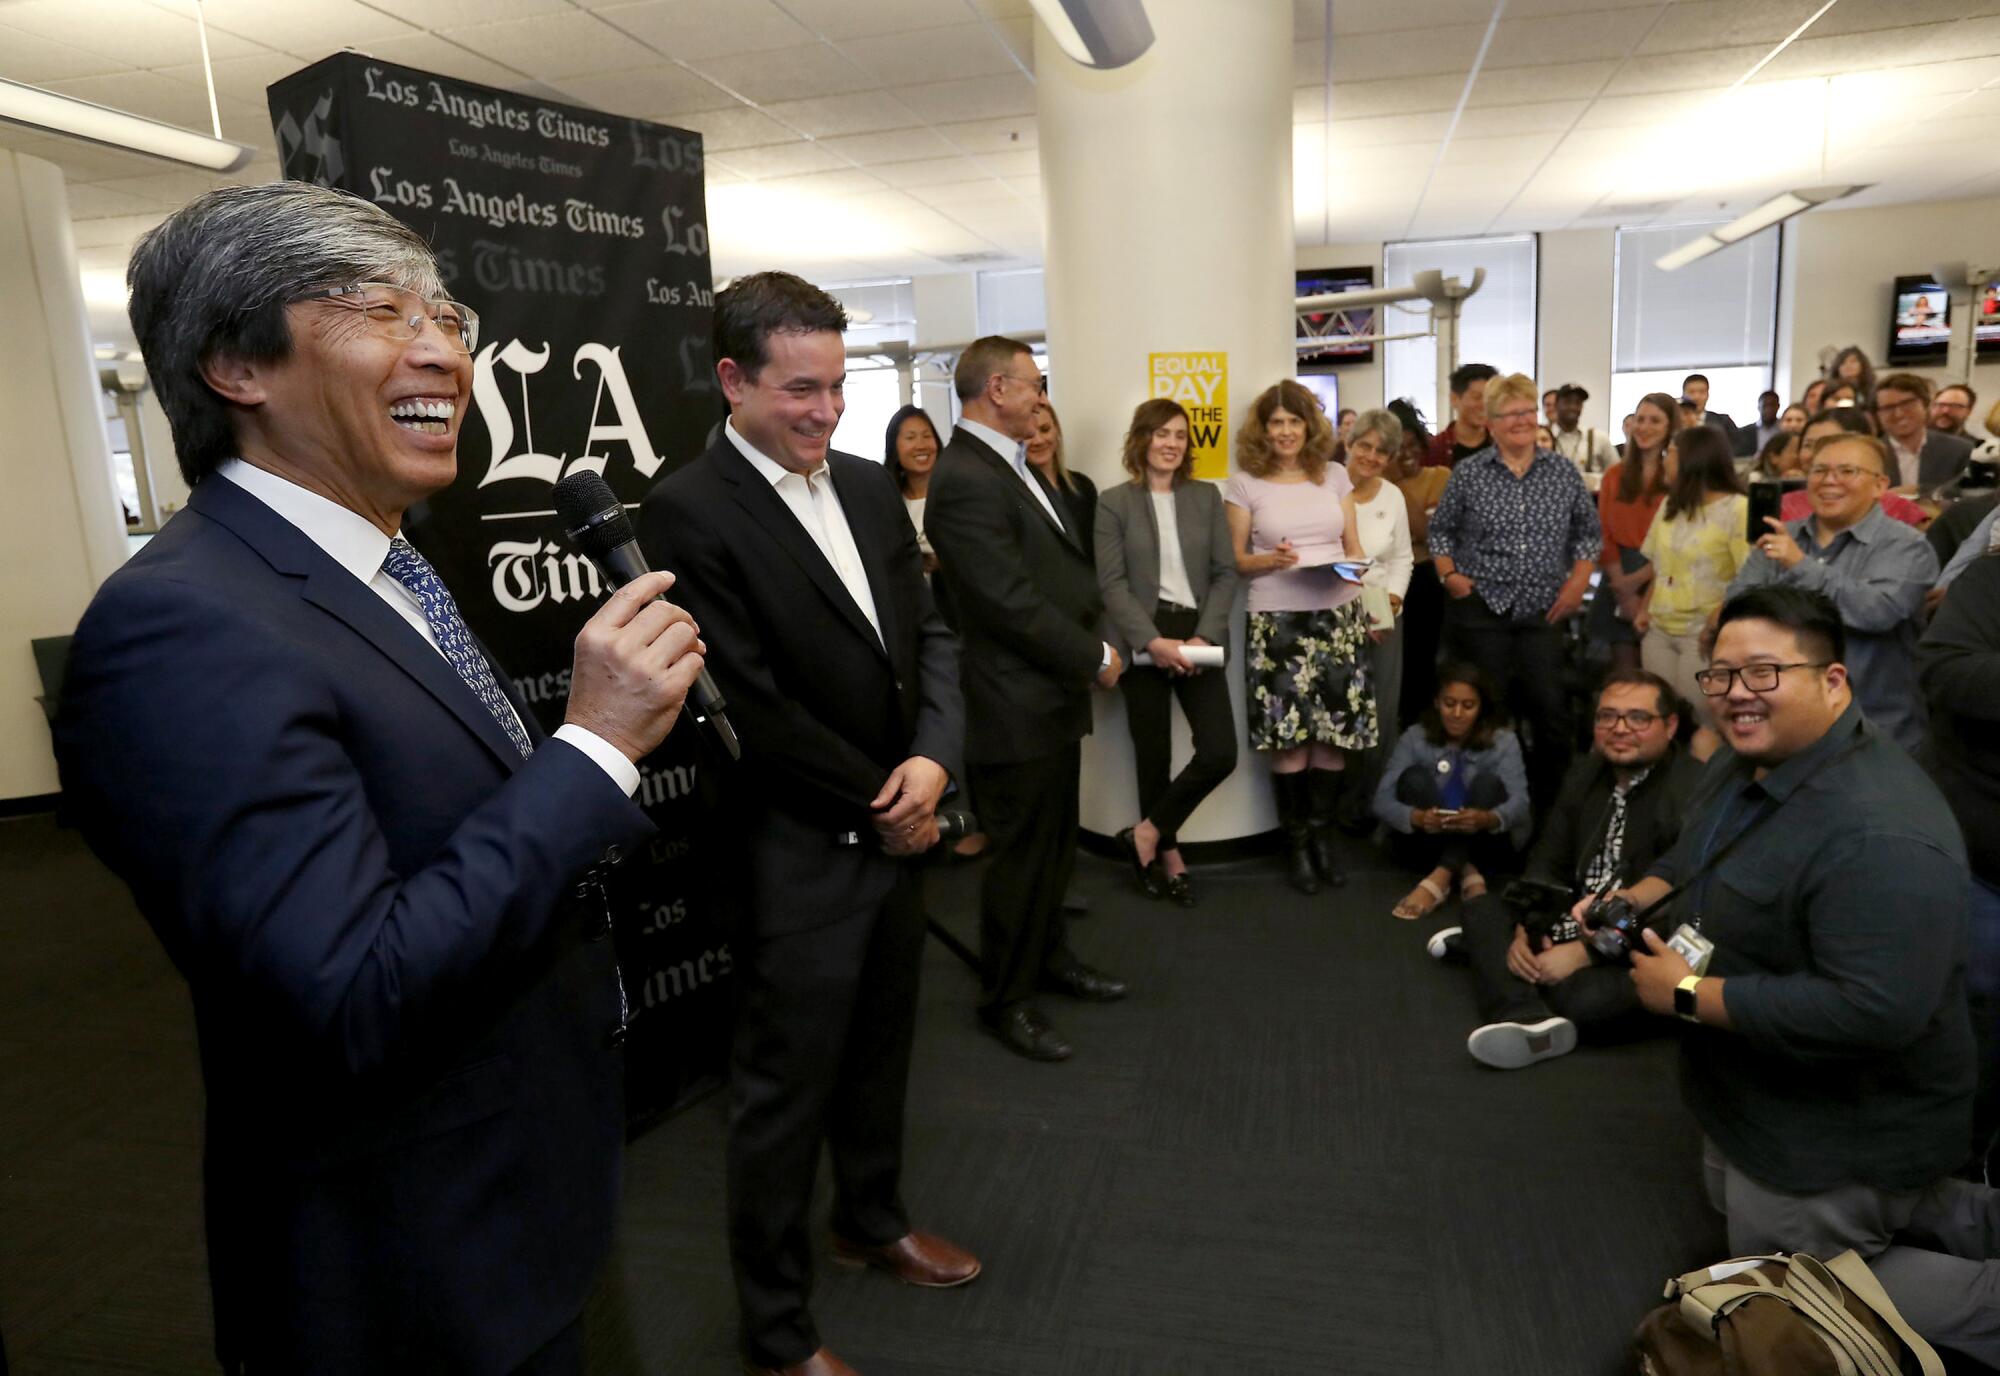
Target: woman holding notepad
(1169,580)
(1307,676)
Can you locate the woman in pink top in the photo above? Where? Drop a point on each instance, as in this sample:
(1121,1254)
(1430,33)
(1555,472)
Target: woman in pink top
(1307,676)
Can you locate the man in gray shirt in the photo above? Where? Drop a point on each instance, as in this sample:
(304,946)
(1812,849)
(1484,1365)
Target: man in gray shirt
(1826,1049)
(1874,569)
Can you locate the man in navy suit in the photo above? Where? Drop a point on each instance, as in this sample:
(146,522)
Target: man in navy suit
(380,880)
(803,567)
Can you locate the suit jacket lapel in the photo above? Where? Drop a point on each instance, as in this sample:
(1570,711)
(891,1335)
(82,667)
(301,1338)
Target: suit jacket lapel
(340,594)
(1006,469)
(764,506)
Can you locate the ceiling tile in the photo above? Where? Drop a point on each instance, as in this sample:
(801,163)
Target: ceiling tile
(142,93)
(1375,56)
(553,46)
(900,145)
(841,19)
(736,127)
(134,32)
(1856,16)
(1533,42)
(786,74)
(427,52)
(1690,71)
(966,50)
(782,160)
(1527,85)
(89,202)
(696,30)
(656,92)
(311,31)
(844,182)
(451,14)
(864,112)
(1923,43)
(37,61)
(239,78)
(1355,133)
(986,97)
(1554,115)
(991,135)
(1384,16)
(935,172)
(1625,111)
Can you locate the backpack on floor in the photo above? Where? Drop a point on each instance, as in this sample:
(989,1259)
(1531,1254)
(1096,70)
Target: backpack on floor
(1780,1316)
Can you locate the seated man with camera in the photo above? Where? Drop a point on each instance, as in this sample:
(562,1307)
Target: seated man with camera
(1818,903)
(1619,811)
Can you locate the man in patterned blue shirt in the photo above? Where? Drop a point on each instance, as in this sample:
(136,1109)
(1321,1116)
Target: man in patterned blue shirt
(1515,538)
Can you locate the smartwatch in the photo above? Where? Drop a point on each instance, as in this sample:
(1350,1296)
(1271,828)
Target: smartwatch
(1684,1004)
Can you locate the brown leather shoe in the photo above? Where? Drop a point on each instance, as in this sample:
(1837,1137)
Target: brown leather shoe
(821,1363)
(915,1259)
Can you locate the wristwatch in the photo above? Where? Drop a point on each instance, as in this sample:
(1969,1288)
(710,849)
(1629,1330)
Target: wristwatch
(1684,1004)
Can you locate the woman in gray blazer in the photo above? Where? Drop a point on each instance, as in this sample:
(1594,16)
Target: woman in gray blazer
(1168,574)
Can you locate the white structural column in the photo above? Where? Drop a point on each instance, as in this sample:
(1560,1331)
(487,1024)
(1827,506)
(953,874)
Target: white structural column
(61,531)
(1168,193)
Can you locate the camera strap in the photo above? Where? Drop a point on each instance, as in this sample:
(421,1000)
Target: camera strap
(1714,858)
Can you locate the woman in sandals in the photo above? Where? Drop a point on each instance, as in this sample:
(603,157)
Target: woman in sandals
(1454,795)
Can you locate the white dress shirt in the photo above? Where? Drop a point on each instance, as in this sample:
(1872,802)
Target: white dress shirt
(1016,454)
(352,541)
(1385,533)
(812,500)
(1175,585)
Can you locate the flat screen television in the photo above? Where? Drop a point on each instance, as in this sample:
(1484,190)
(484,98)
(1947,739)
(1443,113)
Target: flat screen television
(1335,327)
(1920,327)
(1986,319)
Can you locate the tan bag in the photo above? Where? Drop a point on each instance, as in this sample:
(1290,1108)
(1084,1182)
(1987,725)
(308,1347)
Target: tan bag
(1780,1316)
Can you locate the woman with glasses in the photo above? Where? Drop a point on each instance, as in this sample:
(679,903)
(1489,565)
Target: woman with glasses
(1515,538)
(1695,547)
(1454,794)
(1308,679)
(1626,502)
(1384,515)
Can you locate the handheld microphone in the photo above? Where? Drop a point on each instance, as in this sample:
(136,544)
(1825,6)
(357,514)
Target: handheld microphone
(596,523)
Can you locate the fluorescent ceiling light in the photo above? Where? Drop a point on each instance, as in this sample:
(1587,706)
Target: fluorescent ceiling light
(1097,33)
(58,114)
(1778,209)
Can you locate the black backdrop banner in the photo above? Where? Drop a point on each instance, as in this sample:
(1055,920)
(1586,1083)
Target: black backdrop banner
(581,239)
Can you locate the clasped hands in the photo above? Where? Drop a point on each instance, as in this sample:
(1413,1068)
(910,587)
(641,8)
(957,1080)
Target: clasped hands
(1167,654)
(906,807)
(1434,820)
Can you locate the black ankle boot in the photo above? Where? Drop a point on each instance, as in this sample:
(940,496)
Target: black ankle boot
(1323,793)
(1295,817)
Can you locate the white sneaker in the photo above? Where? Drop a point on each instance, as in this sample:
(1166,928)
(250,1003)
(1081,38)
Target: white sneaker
(1446,943)
(1514,1045)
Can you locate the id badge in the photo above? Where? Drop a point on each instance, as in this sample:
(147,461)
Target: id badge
(1694,948)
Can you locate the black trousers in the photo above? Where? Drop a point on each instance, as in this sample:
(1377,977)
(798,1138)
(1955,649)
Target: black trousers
(1490,852)
(1423,630)
(1029,809)
(561,1355)
(1599,998)
(821,1054)
(1524,658)
(1167,802)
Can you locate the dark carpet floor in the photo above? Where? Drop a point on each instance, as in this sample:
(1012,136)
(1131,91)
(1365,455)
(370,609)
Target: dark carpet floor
(1275,1157)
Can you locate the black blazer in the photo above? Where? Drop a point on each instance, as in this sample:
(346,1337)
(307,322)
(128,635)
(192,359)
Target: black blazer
(414,1119)
(1028,607)
(1942,458)
(1128,537)
(1574,830)
(825,709)
(1079,509)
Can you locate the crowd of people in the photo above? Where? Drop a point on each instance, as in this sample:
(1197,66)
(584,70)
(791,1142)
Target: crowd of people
(385,883)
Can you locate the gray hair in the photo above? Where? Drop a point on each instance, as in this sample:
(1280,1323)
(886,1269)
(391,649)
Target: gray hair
(1383,425)
(216,276)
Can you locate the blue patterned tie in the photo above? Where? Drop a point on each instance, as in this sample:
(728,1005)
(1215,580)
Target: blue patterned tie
(409,568)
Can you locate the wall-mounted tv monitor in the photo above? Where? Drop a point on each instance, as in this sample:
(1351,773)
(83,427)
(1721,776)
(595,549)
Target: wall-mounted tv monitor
(1986,319)
(1335,327)
(1920,329)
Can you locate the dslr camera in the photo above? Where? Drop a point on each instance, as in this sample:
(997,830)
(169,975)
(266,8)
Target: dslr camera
(1616,928)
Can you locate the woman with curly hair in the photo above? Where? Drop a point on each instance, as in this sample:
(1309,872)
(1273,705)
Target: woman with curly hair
(1308,682)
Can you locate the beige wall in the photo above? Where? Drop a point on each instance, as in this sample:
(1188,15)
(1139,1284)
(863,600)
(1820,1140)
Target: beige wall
(1842,270)
(60,528)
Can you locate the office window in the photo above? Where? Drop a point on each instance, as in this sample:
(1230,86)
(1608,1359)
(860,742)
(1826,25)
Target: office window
(1496,324)
(1718,315)
(874,385)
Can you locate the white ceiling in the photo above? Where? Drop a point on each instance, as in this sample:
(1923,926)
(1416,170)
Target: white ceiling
(859,138)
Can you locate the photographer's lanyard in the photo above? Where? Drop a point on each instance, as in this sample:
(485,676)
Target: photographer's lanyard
(1712,857)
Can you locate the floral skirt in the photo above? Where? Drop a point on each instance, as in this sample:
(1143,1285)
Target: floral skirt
(1309,679)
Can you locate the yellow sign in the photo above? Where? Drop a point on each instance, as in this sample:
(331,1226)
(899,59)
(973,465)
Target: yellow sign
(1199,382)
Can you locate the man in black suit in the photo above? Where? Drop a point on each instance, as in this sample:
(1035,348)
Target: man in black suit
(1029,612)
(381,881)
(1694,388)
(803,569)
